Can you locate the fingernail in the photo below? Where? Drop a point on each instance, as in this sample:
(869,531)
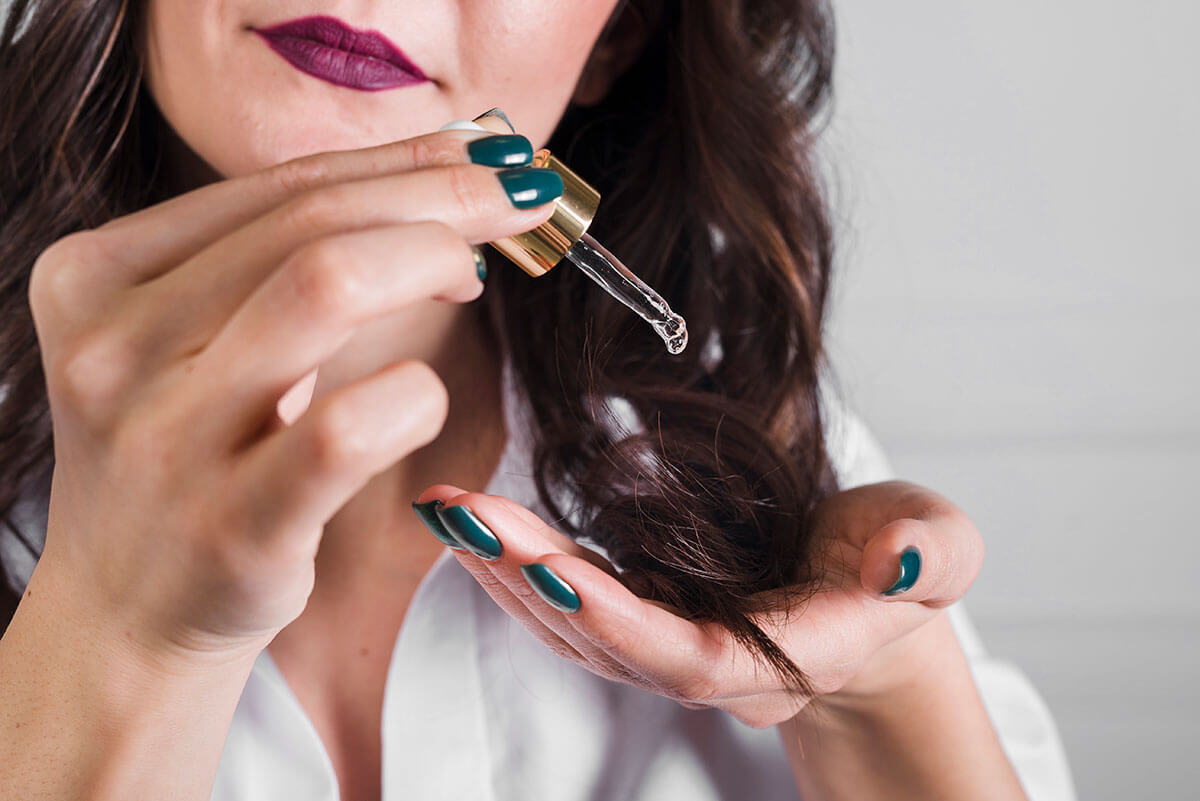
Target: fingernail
(480,263)
(425,511)
(501,150)
(470,531)
(531,186)
(910,569)
(495,112)
(553,589)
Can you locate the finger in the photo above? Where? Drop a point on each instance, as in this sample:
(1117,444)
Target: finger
(312,305)
(643,642)
(519,610)
(635,641)
(677,657)
(186,307)
(555,538)
(155,239)
(504,585)
(503,596)
(932,561)
(493,517)
(301,474)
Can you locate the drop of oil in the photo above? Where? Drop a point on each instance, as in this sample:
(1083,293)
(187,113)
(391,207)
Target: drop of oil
(674,333)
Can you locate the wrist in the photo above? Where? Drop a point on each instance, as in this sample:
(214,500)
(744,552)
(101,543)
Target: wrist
(99,718)
(116,643)
(915,728)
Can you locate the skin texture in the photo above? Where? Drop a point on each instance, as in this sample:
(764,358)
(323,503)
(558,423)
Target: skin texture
(193,328)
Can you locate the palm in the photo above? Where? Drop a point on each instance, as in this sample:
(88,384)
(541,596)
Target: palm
(834,635)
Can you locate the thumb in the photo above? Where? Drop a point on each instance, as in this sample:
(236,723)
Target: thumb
(933,561)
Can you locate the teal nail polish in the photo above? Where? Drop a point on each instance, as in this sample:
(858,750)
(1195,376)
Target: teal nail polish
(501,150)
(470,531)
(480,264)
(531,186)
(425,511)
(553,589)
(910,569)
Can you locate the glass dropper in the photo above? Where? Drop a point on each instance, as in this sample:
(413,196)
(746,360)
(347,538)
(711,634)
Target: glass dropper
(616,279)
(564,237)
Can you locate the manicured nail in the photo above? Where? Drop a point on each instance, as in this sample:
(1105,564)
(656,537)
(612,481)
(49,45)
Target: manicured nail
(425,511)
(501,150)
(495,112)
(531,186)
(553,589)
(470,531)
(480,263)
(910,569)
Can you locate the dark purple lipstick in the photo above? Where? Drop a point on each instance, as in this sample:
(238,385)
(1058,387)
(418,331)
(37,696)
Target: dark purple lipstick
(329,49)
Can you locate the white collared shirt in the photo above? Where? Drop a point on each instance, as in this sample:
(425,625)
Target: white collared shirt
(476,708)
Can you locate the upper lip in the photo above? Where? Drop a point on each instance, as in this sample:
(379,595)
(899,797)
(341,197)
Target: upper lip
(332,32)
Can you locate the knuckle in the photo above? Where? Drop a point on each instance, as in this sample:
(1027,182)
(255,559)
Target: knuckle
(57,269)
(436,150)
(90,371)
(335,439)
(300,175)
(494,586)
(628,675)
(315,210)
(526,593)
(435,393)
(320,275)
(473,188)
(697,689)
(563,650)
(615,638)
(690,705)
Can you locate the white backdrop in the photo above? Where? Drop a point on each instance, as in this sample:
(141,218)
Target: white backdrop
(1014,315)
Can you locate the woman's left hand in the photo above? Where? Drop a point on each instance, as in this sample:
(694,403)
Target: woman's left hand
(850,637)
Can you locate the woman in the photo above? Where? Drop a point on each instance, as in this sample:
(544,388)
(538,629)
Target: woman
(245,317)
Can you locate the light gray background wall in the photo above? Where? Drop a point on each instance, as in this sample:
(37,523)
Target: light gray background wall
(1016,318)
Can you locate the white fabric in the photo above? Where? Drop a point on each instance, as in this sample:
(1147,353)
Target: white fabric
(476,708)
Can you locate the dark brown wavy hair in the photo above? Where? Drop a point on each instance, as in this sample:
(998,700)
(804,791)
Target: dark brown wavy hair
(703,151)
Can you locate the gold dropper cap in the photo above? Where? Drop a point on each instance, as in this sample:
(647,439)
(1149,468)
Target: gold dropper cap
(537,251)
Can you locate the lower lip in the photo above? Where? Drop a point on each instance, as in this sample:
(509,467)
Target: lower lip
(340,67)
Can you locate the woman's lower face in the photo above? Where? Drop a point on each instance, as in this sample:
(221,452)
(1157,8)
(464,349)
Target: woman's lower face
(242,104)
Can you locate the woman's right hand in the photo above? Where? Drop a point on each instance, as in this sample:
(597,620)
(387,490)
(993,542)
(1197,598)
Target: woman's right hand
(182,508)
